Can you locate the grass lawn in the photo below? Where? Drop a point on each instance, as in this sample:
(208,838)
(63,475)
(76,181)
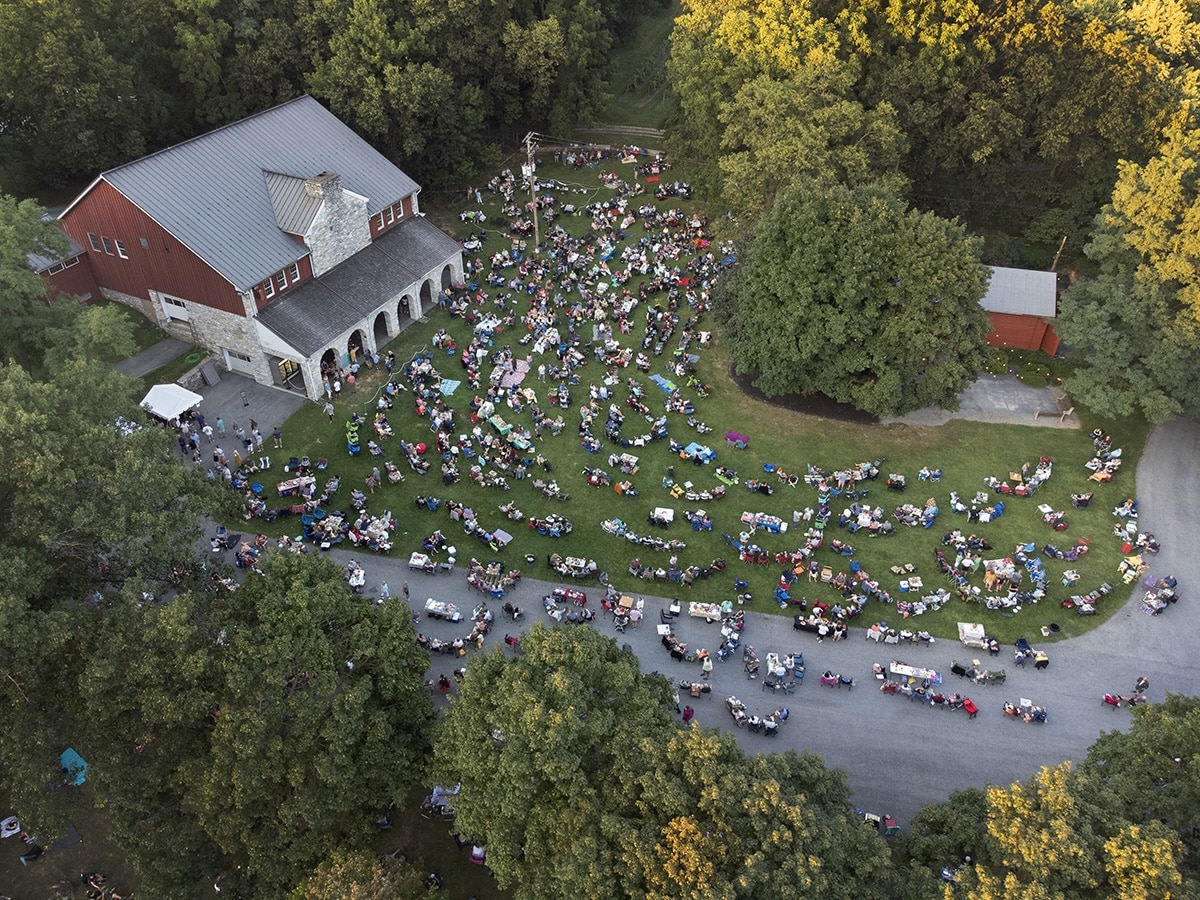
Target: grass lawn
(967,452)
(430,844)
(57,874)
(638,76)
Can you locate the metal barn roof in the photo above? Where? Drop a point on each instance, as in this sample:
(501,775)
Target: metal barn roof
(1021,292)
(211,192)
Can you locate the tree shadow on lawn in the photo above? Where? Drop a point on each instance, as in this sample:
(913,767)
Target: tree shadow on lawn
(815,404)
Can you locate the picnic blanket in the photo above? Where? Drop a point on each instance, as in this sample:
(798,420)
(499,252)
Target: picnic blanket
(666,384)
(448,386)
(517,375)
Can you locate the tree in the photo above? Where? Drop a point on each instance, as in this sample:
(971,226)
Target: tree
(362,876)
(1063,833)
(89,514)
(706,821)
(846,292)
(569,738)
(1135,327)
(31,321)
(538,743)
(321,717)
(809,126)
(1147,776)
(81,85)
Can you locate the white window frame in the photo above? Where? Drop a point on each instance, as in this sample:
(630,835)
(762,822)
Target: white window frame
(94,240)
(59,266)
(174,308)
(391,214)
(269,288)
(379,220)
(122,251)
(108,246)
(294,272)
(236,355)
(281,281)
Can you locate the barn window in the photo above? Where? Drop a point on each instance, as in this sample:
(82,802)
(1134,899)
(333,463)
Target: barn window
(174,308)
(294,272)
(108,246)
(269,288)
(95,242)
(121,250)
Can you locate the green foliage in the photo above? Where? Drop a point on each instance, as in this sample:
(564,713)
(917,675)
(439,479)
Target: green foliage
(810,126)
(1011,115)
(1089,833)
(568,738)
(537,742)
(320,717)
(1131,332)
(705,820)
(1147,776)
(846,292)
(362,876)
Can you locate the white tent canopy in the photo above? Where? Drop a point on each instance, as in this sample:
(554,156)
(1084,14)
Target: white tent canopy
(170,401)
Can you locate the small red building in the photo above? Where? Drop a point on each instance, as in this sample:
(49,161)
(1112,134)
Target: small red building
(282,242)
(1022,304)
(71,275)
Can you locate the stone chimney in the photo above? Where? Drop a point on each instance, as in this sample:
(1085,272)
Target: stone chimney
(327,184)
(340,228)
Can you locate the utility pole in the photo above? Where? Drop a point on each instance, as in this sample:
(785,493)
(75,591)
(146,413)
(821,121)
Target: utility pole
(1054,265)
(532,189)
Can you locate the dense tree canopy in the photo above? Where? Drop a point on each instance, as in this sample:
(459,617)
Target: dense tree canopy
(568,739)
(848,293)
(1121,824)
(1135,325)
(1011,114)
(431,84)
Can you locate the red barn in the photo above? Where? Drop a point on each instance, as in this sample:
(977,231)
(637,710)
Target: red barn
(1022,304)
(282,242)
(71,275)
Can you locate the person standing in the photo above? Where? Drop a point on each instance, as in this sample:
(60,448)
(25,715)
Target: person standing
(208,432)
(278,435)
(688,713)
(384,593)
(221,427)
(404,590)
(329,410)
(706,668)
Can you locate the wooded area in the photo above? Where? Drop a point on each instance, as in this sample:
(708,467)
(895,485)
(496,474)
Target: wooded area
(433,85)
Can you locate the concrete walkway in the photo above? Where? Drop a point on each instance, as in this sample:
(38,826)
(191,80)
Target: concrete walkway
(142,364)
(236,398)
(995,399)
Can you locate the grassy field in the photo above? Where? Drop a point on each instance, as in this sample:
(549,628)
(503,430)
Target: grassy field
(966,452)
(56,874)
(638,75)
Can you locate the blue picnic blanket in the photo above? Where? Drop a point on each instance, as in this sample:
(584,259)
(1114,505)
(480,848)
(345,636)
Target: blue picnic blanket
(666,384)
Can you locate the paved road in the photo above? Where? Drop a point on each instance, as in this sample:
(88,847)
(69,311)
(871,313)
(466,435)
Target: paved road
(901,755)
(153,357)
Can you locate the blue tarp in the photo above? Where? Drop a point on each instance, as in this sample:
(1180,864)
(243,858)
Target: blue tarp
(448,387)
(666,384)
(73,766)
